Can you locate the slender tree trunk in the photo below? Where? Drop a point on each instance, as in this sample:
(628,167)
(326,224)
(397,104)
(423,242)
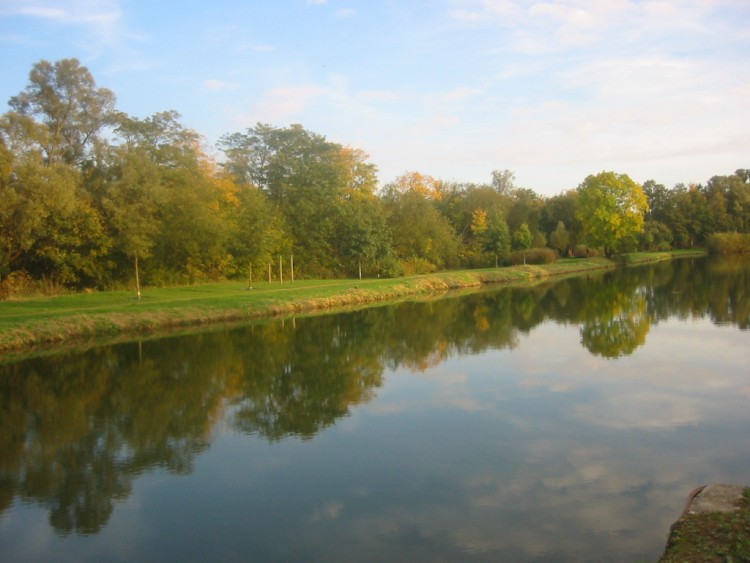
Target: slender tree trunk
(291,266)
(250,274)
(359,264)
(137,278)
(269,273)
(281,272)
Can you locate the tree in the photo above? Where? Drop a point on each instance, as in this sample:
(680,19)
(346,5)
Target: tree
(420,232)
(260,233)
(497,236)
(132,204)
(309,179)
(421,183)
(611,208)
(504,181)
(72,110)
(364,234)
(560,238)
(522,239)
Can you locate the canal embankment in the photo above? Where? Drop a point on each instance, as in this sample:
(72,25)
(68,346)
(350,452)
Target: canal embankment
(31,322)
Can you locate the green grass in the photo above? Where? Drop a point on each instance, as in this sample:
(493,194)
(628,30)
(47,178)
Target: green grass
(720,536)
(49,320)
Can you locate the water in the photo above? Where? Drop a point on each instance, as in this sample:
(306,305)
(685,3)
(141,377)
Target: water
(566,422)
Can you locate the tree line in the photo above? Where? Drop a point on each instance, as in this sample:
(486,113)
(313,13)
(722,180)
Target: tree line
(91,197)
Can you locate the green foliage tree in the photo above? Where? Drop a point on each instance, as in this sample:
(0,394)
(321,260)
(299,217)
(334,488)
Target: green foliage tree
(420,232)
(64,99)
(522,237)
(560,238)
(497,236)
(309,178)
(611,208)
(365,236)
(50,228)
(132,205)
(260,234)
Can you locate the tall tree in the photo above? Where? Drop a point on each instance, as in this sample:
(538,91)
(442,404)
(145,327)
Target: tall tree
(309,178)
(260,234)
(611,209)
(504,181)
(132,203)
(63,96)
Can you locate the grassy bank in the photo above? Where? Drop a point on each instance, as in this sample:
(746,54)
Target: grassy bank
(31,322)
(719,536)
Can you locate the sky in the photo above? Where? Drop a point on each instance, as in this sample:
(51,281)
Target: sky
(552,90)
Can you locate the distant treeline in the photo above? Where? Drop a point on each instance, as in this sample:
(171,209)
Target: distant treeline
(91,197)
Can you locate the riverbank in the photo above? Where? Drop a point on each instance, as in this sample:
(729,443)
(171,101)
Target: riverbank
(715,526)
(27,323)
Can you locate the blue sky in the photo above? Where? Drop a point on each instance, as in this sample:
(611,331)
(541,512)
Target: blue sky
(554,90)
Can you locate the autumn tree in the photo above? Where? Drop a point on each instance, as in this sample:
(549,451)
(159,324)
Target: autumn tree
(611,208)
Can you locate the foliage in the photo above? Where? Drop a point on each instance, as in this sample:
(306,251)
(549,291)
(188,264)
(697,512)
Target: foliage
(611,208)
(560,238)
(584,251)
(535,256)
(522,237)
(728,243)
(655,236)
(92,198)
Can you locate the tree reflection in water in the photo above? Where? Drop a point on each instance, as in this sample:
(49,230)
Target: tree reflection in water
(77,428)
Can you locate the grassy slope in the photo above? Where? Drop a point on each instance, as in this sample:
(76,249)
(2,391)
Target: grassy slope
(29,322)
(720,536)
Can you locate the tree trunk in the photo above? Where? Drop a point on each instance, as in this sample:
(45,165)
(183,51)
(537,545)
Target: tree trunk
(359,264)
(137,278)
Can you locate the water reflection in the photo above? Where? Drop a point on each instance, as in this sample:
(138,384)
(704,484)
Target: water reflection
(77,429)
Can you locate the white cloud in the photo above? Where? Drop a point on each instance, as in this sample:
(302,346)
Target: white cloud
(77,12)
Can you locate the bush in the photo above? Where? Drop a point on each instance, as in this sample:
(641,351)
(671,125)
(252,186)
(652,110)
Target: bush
(584,251)
(535,256)
(728,243)
(390,267)
(17,283)
(414,266)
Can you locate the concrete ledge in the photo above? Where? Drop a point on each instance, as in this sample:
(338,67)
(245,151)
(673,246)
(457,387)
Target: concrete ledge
(716,498)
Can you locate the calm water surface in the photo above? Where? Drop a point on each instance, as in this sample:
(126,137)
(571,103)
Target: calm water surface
(567,422)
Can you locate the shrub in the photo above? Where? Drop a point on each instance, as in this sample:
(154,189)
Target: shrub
(728,243)
(17,283)
(584,251)
(535,256)
(414,266)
